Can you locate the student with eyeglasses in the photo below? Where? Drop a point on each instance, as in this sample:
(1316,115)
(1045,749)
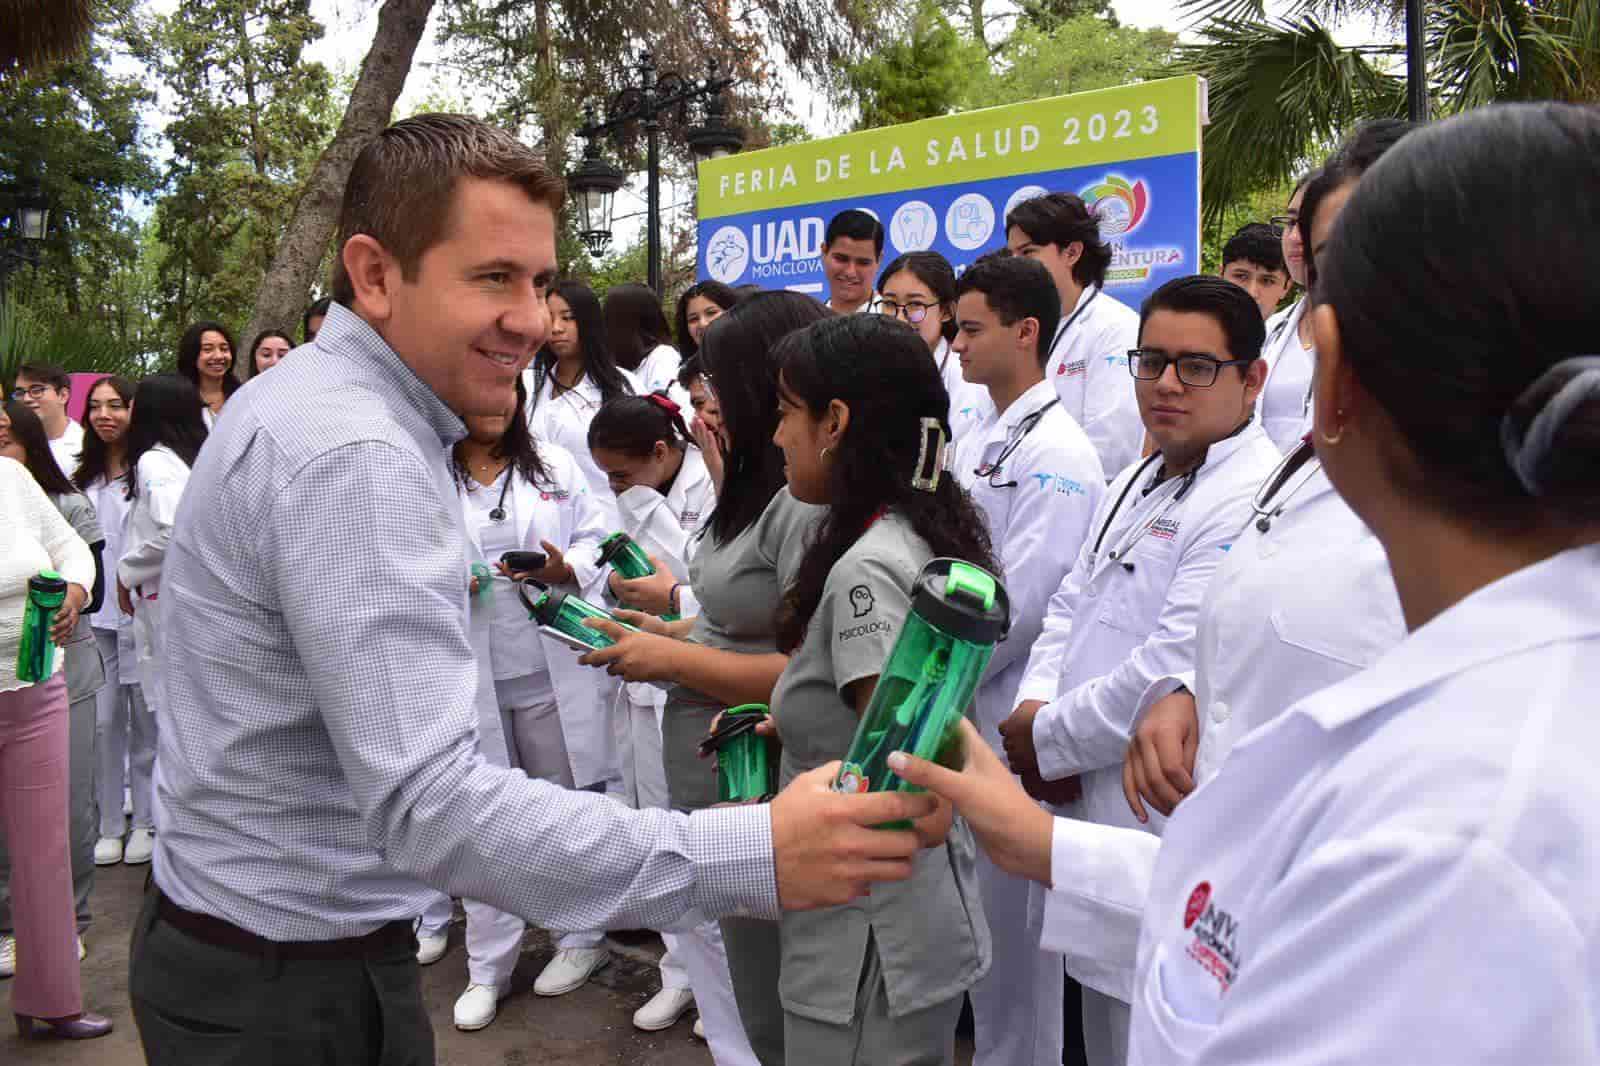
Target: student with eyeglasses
(1033,473)
(1127,612)
(919,288)
(45,390)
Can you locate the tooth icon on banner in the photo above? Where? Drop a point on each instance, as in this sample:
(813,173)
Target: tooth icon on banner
(914,226)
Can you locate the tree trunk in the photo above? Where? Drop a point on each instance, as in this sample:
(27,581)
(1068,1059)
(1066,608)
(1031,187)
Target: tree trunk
(975,21)
(284,290)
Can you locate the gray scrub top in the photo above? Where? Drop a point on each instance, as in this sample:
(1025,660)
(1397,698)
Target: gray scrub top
(738,585)
(930,934)
(81,662)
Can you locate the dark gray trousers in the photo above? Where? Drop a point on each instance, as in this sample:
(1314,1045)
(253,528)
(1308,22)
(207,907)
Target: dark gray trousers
(201,1005)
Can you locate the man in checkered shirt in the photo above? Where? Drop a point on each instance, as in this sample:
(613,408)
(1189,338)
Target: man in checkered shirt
(318,768)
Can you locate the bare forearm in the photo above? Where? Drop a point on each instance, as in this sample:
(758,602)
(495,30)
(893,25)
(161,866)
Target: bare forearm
(732,677)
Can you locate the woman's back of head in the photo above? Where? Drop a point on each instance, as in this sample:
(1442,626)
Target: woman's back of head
(1459,276)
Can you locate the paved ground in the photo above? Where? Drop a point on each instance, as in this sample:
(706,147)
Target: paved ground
(589,1027)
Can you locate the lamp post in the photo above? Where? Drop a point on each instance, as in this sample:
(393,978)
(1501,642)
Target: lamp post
(1416,64)
(27,223)
(596,181)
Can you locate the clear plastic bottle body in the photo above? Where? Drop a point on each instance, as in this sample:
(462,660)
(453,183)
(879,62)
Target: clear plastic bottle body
(564,614)
(958,613)
(36,654)
(623,554)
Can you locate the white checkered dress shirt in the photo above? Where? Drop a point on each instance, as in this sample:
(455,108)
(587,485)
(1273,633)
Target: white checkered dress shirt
(318,764)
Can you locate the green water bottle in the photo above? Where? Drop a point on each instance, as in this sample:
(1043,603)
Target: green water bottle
(623,554)
(36,658)
(485,578)
(561,615)
(746,768)
(958,613)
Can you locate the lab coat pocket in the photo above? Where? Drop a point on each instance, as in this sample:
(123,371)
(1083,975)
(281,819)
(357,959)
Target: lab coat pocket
(1333,621)
(1173,1038)
(1135,587)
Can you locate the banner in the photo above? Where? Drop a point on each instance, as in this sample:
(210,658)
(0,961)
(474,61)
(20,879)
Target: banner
(946,184)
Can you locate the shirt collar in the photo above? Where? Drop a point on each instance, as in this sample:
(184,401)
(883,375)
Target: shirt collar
(349,336)
(1550,602)
(1035,399)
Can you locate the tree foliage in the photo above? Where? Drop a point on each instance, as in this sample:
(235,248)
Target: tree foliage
(922,74)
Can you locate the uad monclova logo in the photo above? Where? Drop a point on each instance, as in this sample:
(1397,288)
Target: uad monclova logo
(1120,205)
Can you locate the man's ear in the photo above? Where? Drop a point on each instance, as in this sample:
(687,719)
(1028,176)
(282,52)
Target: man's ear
(372,271)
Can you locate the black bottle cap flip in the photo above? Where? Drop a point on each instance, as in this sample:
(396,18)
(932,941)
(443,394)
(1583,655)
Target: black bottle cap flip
(963,600)
(49,583)
(545,602)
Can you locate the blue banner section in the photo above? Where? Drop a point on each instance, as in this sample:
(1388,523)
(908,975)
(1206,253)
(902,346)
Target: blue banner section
(1149,212)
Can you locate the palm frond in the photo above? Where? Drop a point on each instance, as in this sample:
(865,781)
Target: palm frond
(1278,92)
(1481,51)
(1201,12)
(36,32)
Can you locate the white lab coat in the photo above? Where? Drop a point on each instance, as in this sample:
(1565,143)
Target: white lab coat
(67,449)
(1401,868)
(1126,615)
(658,372)
(1053,484)
(564,421)
(567,515)
(663,525)
(1291,610)
(161,477)
(1285,404)
(1089,366)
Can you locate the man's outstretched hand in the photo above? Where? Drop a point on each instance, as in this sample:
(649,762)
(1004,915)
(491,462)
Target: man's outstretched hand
(824,848)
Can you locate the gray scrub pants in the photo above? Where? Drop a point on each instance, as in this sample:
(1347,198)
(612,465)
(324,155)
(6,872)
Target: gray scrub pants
(922,1038)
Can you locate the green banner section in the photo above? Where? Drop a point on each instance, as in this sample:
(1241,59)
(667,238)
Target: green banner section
(1084,129)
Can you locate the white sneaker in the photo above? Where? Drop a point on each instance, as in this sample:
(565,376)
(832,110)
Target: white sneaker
(8,955)
(477,1007)
(663,1010)
(699,1029)
(108,851)
(83,952)
(431,948)
(570,969)
(141,845)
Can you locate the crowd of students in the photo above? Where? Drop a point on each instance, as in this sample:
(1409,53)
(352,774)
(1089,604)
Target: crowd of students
(1216,517)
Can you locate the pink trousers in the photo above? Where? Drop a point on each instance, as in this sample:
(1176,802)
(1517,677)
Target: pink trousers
(33,815)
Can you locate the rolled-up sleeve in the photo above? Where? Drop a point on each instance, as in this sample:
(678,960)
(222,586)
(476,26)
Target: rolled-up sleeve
(385,648)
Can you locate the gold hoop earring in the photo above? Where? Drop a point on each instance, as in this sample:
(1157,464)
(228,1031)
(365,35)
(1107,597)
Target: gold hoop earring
(1323,438)
(822,456)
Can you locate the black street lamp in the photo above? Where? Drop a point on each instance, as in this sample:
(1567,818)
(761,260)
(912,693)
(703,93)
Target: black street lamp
(23,237)
(1416,64)
(595,182)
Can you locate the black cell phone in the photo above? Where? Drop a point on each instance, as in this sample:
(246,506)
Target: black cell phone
(523,562)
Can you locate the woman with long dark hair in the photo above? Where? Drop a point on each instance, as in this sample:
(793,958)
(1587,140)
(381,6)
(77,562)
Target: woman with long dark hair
(641,338)
(27,441)
(270,346)
(125,736)
(164,439)
(863,430)
(745,557)
(34,774)
(538,710)
(206,358)
(919,288)
(571,376)
(700,305)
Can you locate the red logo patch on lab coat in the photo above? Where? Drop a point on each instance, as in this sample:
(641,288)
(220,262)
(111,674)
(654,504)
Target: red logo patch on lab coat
(1197,903)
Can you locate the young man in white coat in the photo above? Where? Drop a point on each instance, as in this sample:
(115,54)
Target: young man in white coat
(1126,615)
(1089,349)
(1038,481)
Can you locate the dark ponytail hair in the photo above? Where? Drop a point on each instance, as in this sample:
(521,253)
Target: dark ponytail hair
(93,462)
(166,410)
(880,370)
(28,431)
(593,341)
(631,425)
(516,444)
(189,355)
(724,296)
(934,271)
(1460,352)
(635,323)
(737,354)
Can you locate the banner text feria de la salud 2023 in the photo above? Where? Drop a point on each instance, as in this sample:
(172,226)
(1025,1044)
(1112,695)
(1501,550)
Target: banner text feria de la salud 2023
(1132,152)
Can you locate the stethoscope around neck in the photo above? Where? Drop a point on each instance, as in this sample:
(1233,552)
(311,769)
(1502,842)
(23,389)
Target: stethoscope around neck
(499,512)
(1185,483)
(1263,506)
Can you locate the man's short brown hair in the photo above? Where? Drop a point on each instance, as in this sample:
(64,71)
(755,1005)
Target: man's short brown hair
(403,183)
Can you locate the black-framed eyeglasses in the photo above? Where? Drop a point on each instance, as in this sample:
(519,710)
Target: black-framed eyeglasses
(1285,221)
(34,391)
(913,311)
(1195,369)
